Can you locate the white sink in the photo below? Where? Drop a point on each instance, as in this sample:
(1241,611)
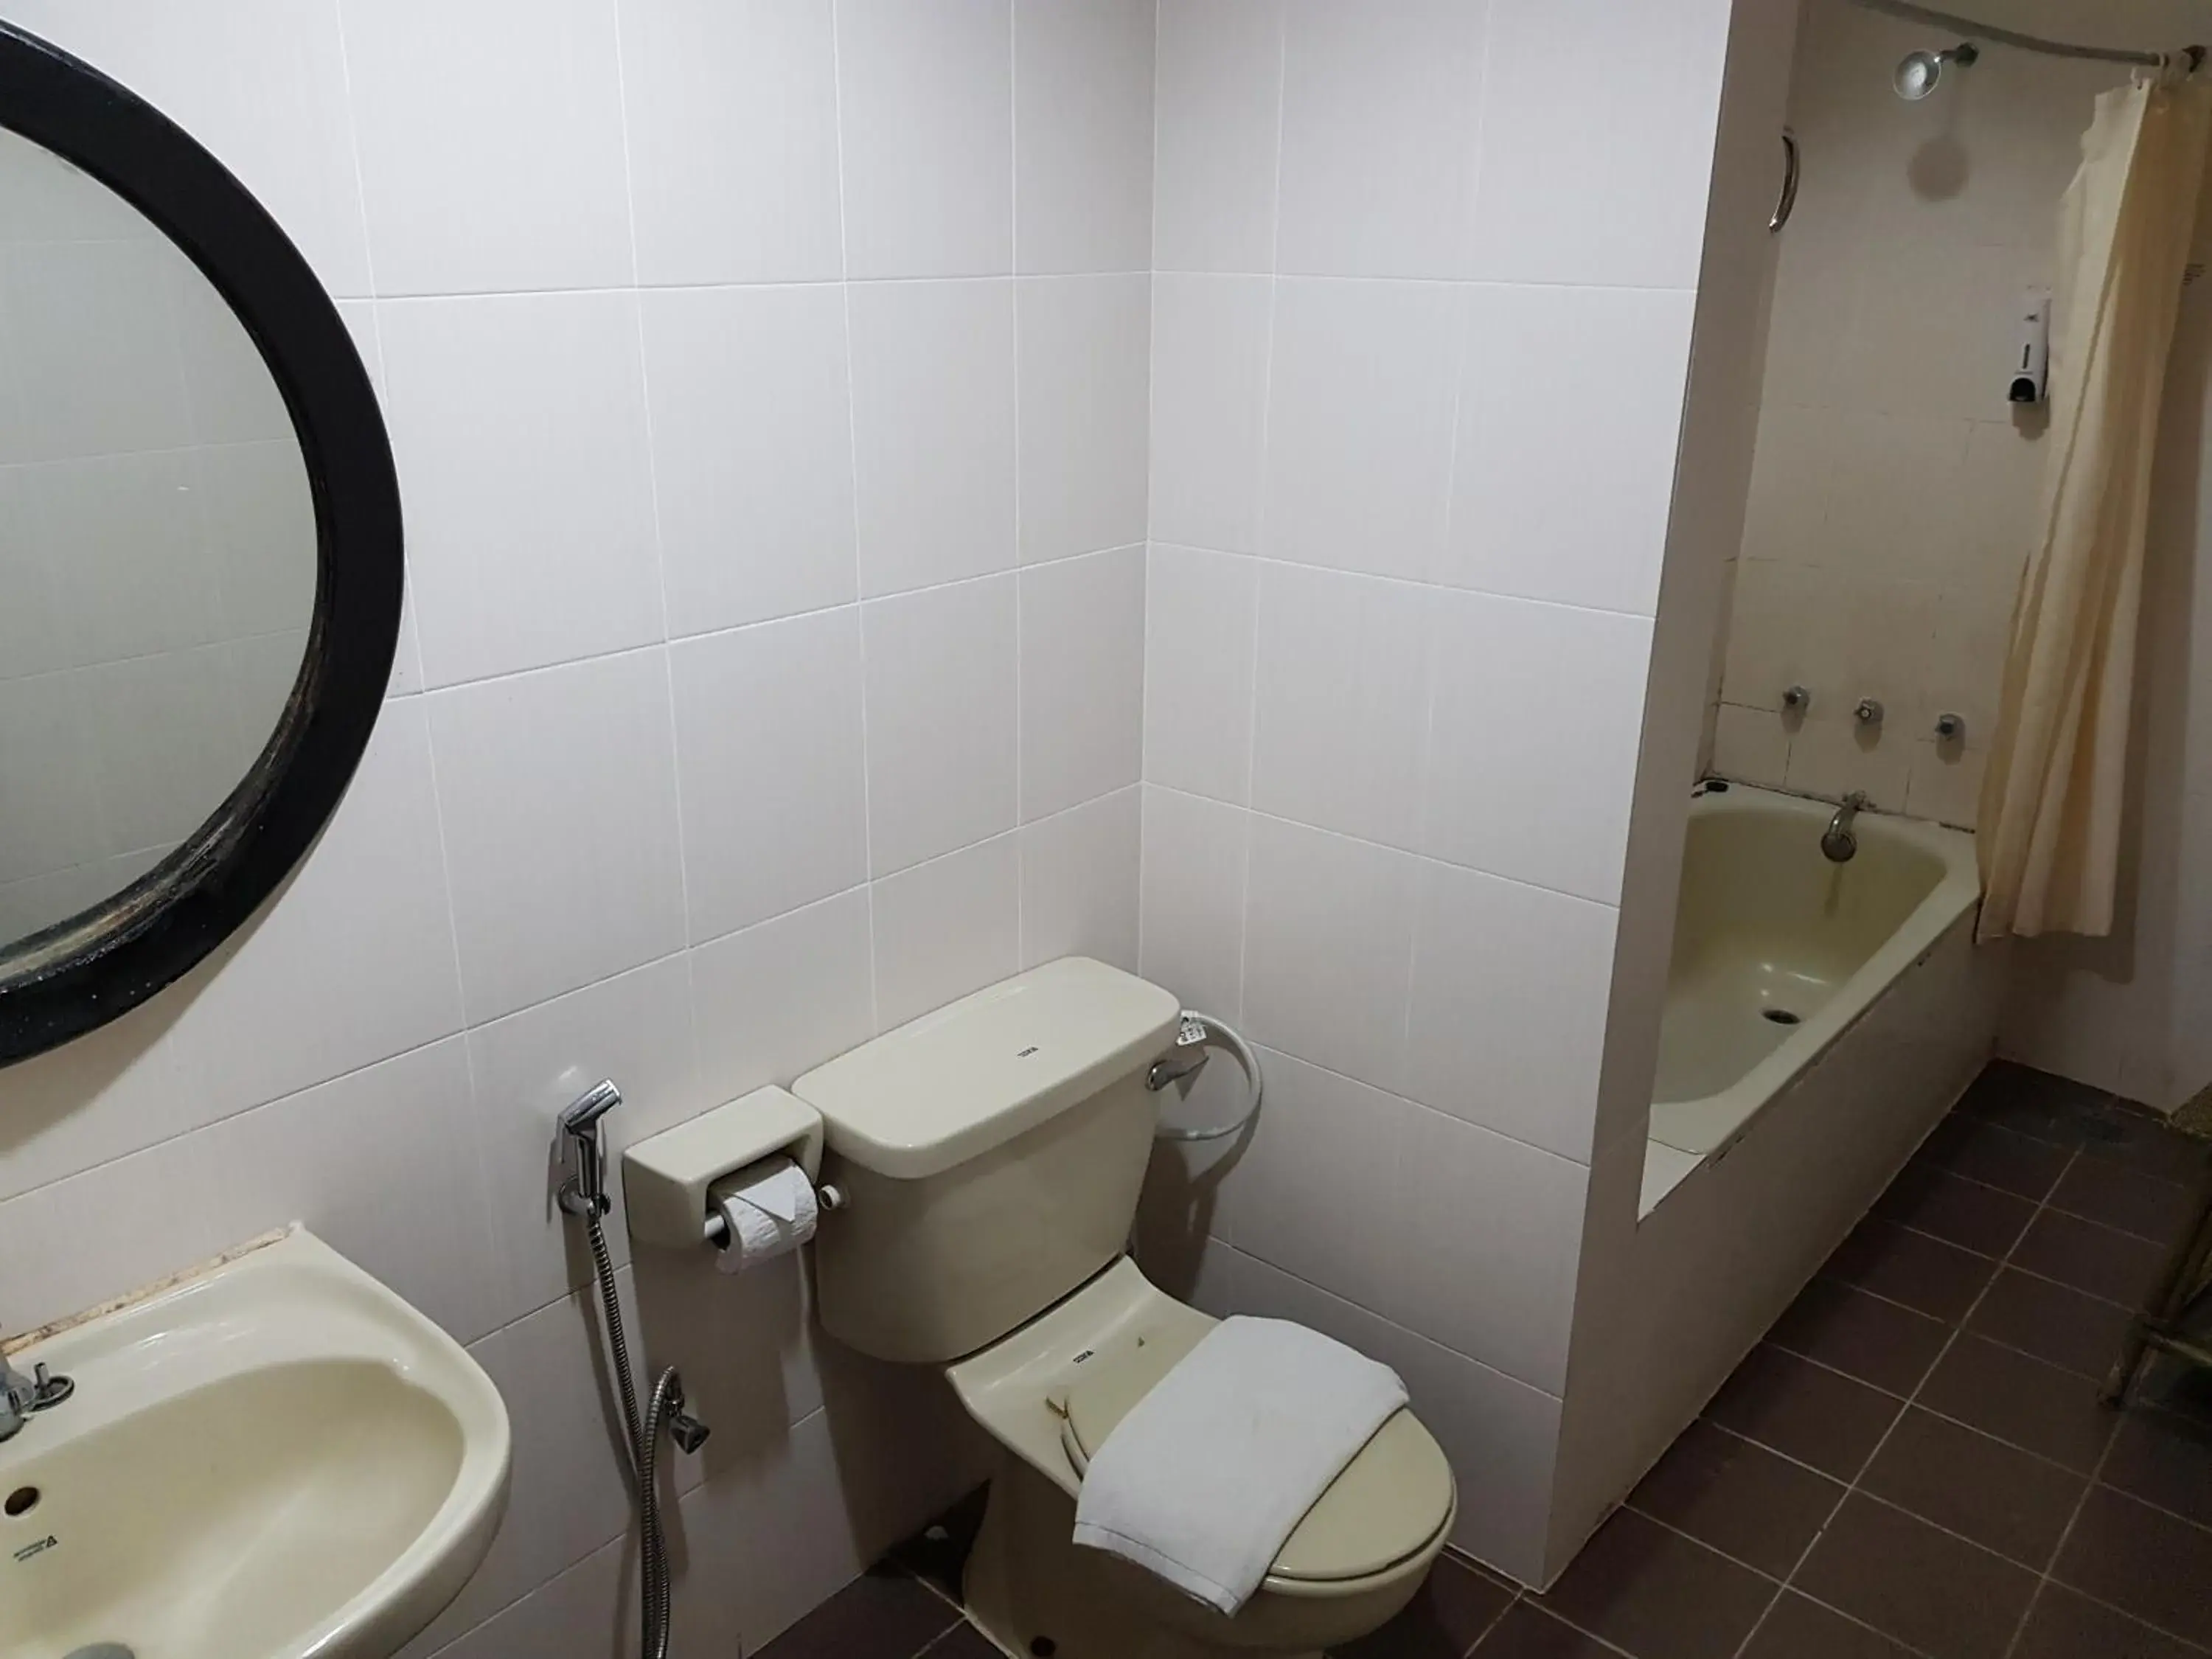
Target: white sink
(278,1459)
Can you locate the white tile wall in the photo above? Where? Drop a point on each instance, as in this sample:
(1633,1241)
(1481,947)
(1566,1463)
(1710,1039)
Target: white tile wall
(565,860)
(520,427)
(493,160)
(732,127)
(1082,136)
(770,755)
(1200,635)
(564,867)
(749,393)
(927,97)
(1361,398)
(733,735)
(1383,106)
(1210,363)
(1082,679)
(1219,130)
(1084,347)
(933,430)
(941,683)
(1421,321)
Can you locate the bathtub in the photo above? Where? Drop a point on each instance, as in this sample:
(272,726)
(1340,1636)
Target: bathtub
(1778,952)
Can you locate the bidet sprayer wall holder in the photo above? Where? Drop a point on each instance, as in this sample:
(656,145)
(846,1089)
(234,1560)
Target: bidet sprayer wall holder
(584,1191)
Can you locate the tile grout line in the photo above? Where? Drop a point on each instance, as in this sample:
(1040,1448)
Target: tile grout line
(1887,1503)
(1951,1340)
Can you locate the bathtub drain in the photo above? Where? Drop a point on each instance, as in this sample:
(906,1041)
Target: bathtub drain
(1779,1016)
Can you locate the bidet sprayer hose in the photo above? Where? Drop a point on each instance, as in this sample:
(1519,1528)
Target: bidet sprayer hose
(643,1442)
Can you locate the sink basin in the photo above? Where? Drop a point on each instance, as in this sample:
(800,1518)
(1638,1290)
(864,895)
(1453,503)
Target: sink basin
(279,1458)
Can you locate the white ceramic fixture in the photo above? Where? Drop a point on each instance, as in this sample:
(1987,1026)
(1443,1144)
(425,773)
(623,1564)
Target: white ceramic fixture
(990,1156)
(276,1459)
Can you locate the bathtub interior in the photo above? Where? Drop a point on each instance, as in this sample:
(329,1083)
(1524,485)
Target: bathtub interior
(1777,951)
(1768,931)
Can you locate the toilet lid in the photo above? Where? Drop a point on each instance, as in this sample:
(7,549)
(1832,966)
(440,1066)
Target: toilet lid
(1387,1506)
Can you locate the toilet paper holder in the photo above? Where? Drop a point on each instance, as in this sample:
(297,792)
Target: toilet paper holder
(665,1178)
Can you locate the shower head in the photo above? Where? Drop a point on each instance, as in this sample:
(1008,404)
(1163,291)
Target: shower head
(1921,72)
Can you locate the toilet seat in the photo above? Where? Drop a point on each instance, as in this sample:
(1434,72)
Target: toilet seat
(1386,1507)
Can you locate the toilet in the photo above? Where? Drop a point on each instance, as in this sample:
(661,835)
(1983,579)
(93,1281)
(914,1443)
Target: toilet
(990,1157)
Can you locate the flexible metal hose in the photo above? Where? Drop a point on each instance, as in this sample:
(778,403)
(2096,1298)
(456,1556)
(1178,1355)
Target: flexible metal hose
(653,1596)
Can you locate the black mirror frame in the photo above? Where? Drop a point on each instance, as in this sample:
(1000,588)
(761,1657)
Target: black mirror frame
(79,974)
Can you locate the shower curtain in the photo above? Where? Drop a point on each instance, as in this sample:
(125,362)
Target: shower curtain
(2049,840)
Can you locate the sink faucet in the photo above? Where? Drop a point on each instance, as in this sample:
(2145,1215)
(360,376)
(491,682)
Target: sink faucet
(21,1395)
(1841,843)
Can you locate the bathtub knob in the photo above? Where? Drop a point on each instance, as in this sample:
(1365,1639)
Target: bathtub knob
(1950,728)
(1869,712)
(1796,699)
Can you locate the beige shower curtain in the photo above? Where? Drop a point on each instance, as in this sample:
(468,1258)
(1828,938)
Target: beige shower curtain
(2049,840)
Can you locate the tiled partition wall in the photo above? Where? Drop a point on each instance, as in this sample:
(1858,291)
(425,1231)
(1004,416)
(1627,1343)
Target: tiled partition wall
(768,382)
(1424,281)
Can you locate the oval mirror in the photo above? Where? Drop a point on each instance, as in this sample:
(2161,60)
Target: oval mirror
(199,551)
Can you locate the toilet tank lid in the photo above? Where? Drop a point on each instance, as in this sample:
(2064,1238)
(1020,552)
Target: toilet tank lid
(955,1083)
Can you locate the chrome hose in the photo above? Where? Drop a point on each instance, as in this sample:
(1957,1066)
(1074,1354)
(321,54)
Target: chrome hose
(644,1442)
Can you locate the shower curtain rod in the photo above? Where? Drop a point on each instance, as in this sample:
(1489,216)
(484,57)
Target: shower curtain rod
(1906,8)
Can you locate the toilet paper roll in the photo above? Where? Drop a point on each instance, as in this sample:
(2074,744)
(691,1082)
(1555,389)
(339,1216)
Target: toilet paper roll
(769,1210)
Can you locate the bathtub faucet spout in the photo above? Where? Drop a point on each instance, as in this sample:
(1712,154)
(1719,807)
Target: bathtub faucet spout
(1841,842)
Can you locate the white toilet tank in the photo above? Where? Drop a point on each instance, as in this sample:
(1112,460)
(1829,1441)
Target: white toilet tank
(990,1154)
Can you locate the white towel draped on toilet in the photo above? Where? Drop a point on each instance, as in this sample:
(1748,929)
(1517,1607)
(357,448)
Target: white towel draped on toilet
(1213,1470)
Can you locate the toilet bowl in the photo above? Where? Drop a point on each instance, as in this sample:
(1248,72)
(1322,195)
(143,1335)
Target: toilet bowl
(1051,1392)
(990,1157)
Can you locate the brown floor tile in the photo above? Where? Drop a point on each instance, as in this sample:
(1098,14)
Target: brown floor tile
(1925,1273)
(2022,1400)
(1965,1482)
(1929,1198)
(2064,1625)
(2166,1460)
(885,1614)
(1798,1629)
(2118,1197)
(2115,1266)
(962,1642)
(2142,1140)
(1876,1341)
(1995,1156)
(1658,1594)
(2051,1322)
(2142,1561)
(1804,1411)
(2033,1102)
(1925,1587)
(1446,1617)
(1738,1497)
(1528,1633)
